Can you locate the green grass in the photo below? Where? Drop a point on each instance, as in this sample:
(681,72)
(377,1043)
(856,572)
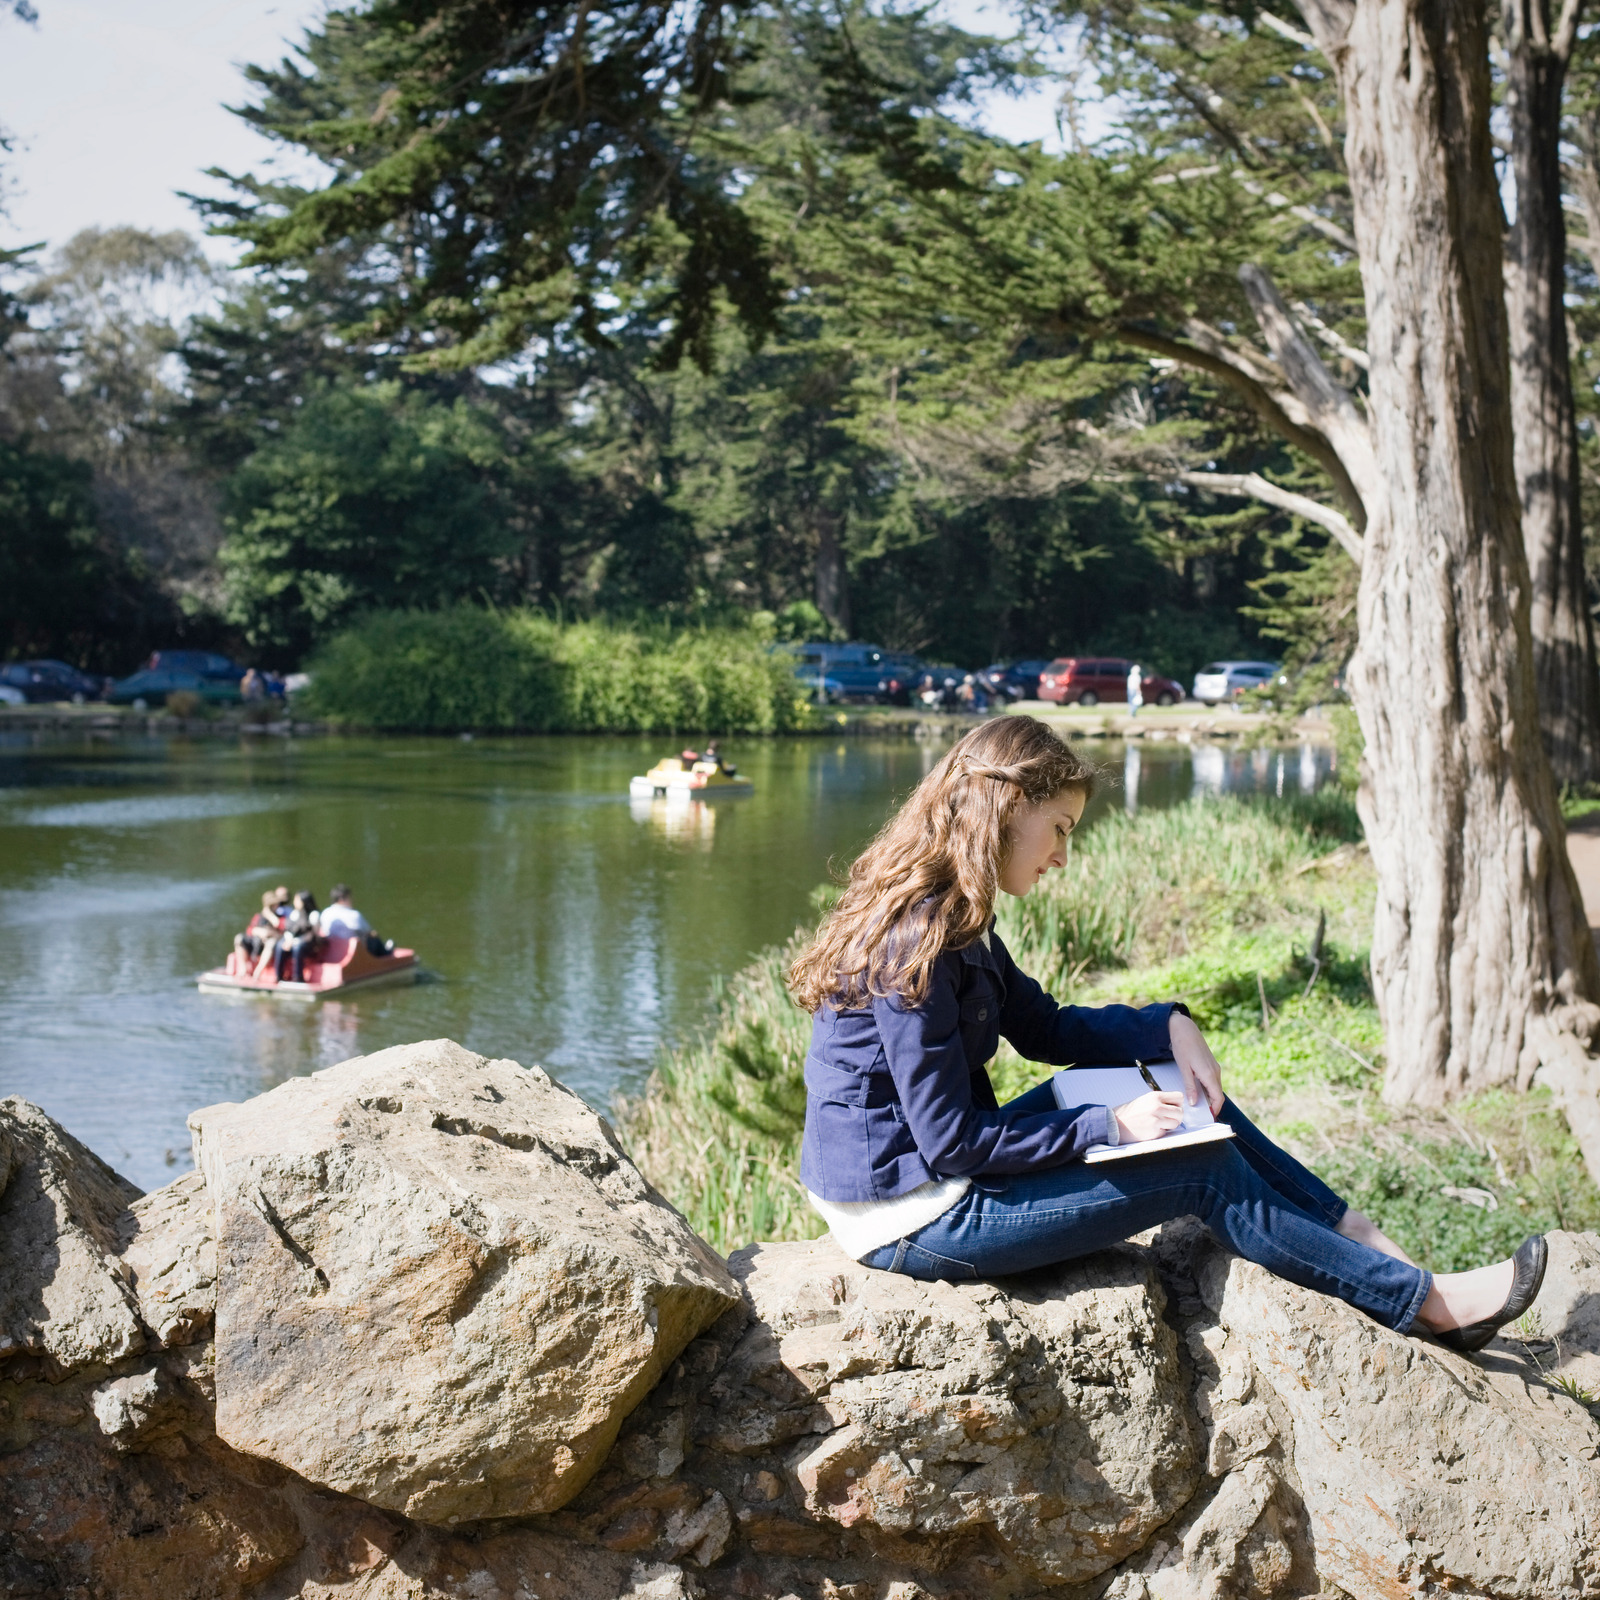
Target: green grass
(466,667)
(1217,903)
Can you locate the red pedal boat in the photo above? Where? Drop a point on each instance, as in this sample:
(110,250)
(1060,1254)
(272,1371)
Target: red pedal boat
(345,966)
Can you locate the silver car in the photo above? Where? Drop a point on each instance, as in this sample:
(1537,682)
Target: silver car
(1223,680)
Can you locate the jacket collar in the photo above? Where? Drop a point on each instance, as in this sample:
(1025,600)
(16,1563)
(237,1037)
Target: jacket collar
(979,954)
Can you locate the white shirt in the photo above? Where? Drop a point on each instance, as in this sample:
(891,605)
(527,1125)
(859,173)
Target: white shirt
(861,1226)
(342,922)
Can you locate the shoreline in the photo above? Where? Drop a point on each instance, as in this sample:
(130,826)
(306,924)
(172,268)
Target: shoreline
(1184,724)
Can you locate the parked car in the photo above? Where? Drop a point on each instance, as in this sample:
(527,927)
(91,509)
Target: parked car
(1087,680)
(154,684)
(11,697)
(1017,680)
(1227,680)
(841,671)
(49,681)
(205,662)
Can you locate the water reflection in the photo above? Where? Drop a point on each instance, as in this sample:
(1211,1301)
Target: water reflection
(563,923)
(1217,769)
(678,818)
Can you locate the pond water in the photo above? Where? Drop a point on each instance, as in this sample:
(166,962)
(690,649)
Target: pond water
(559,922)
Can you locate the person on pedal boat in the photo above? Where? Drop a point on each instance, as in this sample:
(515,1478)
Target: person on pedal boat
(342,921)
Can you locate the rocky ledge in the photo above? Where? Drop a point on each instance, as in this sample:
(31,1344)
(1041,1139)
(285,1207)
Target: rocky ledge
(417,1327)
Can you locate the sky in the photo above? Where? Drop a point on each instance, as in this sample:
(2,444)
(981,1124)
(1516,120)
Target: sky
(116,107)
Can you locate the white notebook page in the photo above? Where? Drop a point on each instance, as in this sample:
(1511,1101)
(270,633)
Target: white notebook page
(1116,1086)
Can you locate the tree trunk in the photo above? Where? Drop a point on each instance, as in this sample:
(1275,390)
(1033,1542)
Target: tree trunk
(833,584)
(1544,420)
(1480,932)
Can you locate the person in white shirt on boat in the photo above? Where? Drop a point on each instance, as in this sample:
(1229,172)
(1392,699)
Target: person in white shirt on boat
(342,921)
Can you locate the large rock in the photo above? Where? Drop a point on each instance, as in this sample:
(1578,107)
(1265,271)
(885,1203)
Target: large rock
(64,1297)
(441,1284)
(1049,1415)
(1157,1422)
(1414,1466)
(169,1255)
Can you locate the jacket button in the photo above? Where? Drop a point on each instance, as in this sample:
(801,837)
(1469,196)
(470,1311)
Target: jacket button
(983,1014)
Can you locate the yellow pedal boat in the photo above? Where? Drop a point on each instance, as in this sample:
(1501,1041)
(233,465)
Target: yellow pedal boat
(704,780)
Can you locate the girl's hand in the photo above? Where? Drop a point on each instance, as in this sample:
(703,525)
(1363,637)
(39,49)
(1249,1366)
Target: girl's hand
(1150,1116)
(1201,1072)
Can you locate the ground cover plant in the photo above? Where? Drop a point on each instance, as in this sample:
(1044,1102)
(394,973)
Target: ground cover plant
(1255,913)
(470,667)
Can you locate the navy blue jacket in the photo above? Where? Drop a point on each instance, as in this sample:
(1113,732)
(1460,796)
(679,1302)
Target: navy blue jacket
(897,1095)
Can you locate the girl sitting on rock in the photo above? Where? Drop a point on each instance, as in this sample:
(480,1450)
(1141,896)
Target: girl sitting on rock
(918,1169)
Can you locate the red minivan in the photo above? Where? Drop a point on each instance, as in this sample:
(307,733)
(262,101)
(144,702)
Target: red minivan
(1087,680)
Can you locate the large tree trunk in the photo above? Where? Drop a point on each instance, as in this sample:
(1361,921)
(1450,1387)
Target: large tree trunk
(833,585)
(1544,420)
(1480,934)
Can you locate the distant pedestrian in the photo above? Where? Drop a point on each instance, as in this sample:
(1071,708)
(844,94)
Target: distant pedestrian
(252,686)
(1135,689)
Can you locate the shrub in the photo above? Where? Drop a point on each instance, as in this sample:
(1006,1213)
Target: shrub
(470,668)
(184,703)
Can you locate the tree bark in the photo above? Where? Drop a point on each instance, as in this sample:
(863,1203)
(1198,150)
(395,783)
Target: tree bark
(1544,419)
(1480,932)
(833,582)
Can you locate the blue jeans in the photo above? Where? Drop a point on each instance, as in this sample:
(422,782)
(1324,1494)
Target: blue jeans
(1254,1198)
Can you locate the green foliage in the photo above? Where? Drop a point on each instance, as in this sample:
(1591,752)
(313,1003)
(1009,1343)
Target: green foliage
(66,590)
(467,667)
(369,499)
(718,1129)
(494,169)
(1154,885)
(1406,1188)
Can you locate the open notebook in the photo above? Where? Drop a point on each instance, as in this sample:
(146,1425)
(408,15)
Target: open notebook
(1116,1086)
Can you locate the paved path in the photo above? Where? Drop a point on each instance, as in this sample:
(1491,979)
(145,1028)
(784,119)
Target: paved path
(1583,848)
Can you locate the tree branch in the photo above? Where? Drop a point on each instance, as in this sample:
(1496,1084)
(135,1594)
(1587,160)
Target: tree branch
(1567,31)
(1334,341)
(1331,407)
(1285,31)
(1329,22)
(1252,486)
(1258,387)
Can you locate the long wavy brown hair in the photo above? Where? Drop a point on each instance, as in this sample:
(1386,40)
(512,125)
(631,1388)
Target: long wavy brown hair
(927,883)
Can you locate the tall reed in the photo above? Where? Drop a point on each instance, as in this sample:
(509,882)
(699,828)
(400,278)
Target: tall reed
(466,667)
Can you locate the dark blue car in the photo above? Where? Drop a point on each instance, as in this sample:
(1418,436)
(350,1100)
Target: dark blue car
(207,663)
(50,681)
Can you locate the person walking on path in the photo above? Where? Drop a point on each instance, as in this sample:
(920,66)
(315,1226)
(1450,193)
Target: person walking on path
(917,1168)
(1135,689)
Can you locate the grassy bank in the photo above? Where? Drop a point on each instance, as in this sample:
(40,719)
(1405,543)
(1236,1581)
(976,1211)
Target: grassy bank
(1217,903)
(471,668)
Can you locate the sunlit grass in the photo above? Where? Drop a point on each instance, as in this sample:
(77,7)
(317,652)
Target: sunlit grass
(1216,903)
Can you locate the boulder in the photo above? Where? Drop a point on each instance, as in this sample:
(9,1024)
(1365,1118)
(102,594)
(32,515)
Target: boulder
(430,1265)
(1562,1333)
(169,1255)
(441,1285)
(1048,1415)
(64,1297)
(1414,1465)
